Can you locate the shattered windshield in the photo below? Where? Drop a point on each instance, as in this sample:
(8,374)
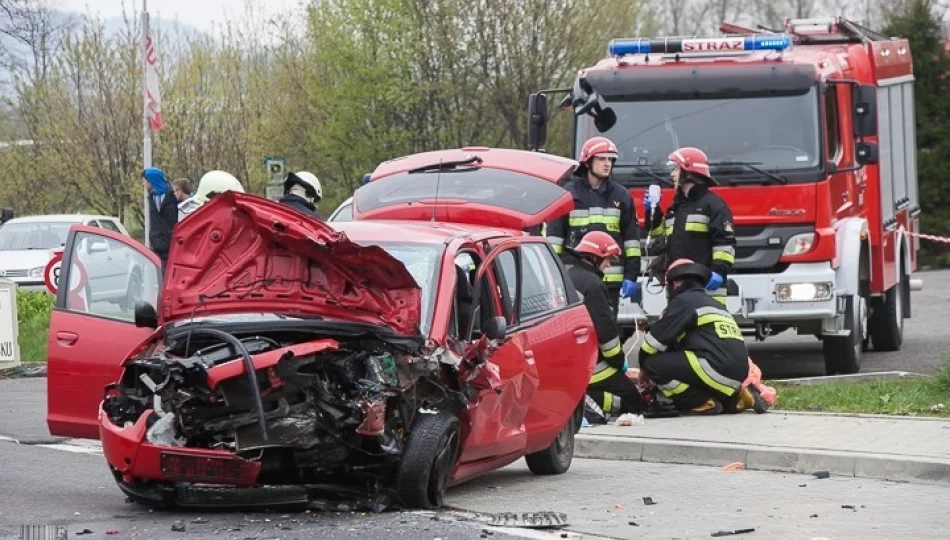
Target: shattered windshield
(422,261)
(774,133)
(29,236)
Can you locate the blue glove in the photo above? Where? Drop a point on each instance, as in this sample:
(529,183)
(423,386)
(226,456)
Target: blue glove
(629,288)
(715,281)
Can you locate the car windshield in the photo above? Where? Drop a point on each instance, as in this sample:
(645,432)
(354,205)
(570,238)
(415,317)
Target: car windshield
(343,213)
(26,236)
(775,133)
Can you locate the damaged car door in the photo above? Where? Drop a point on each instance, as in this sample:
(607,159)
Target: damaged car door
(496,415)
(89,339)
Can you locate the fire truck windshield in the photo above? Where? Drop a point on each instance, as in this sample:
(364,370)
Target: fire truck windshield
(778,134)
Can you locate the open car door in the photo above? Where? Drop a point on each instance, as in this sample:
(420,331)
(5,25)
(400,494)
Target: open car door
(90,335)
(510,189)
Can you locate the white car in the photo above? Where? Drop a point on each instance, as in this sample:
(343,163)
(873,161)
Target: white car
(344,212)
(28,243)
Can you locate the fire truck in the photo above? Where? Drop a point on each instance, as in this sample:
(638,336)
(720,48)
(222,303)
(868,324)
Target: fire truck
(811,137)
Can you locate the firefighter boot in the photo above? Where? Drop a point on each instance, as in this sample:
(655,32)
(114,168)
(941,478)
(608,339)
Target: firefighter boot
(711,407)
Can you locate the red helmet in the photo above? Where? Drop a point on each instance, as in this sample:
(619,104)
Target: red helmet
(691,160)
(682,268)
(599,244)
(598,146)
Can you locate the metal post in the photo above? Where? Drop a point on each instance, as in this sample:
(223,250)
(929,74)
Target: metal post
(146,130)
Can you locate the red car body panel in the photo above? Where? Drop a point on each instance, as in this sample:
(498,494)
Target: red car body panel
(85,352)
(529,385)
(544,166)
(244,254)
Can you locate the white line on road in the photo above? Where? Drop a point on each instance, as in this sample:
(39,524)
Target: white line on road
(73,449)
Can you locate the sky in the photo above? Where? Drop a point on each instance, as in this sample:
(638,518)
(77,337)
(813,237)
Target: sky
(202,14)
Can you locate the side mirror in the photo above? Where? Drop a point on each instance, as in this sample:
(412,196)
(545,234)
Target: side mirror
(97,247)
(605,120)
(6,215)
(537,121)
(145,315)
(864,100)
(495,328)
(866,153)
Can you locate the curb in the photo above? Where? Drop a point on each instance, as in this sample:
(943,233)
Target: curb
(908,469)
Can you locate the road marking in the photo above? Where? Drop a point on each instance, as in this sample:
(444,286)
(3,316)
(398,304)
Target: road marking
(75,449)
(8,439)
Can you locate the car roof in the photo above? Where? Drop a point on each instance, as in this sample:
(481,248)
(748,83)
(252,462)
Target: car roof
(421,232)
(547,166)
(59,218)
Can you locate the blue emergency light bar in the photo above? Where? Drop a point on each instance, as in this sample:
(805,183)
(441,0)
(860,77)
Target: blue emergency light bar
(623,47)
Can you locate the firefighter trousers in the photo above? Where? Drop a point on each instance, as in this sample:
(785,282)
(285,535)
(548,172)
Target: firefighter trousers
(690,381)
(616,395)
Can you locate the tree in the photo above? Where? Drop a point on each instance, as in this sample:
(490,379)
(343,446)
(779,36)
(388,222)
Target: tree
(922,25)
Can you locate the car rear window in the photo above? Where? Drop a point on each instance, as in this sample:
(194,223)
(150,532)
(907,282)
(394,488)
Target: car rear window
(517,192)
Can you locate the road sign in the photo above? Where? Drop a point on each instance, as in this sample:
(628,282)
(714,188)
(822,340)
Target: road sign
(9,346)
(52,271)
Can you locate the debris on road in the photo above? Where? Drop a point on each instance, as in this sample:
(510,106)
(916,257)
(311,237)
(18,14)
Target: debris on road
(630,419)
(199,520)
(84,531)
(732,533)
(178,526)
(648,501)
(633,524)
(530,520)
(813,515)
(735,466)
(849,507)
(821,474)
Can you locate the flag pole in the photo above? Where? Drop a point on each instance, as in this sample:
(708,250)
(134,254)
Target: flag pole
(146,130)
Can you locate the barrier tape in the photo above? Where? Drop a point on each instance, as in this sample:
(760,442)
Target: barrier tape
(941,239)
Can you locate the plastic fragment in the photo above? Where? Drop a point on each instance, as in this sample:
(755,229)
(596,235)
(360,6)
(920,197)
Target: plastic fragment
(648,501)
(178,526)
(849,507)
(821,474)
(735,466)
(84,531)
(732,533)
(630,419)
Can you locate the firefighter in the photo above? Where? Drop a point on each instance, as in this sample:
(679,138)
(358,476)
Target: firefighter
(609,388)
(211,184)
(698,224)
(601,204)
(695,353)
(302,192)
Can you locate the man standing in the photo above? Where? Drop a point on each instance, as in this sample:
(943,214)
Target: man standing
(600,204)
(302,192)
(698,224)
(182,188)
(695,352)
(163,212)
(609,388)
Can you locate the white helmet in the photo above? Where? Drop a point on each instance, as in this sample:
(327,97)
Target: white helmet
(212,183)
(308,181)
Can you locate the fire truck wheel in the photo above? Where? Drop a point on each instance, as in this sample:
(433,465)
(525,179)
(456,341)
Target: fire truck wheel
(843,354)
(887,322)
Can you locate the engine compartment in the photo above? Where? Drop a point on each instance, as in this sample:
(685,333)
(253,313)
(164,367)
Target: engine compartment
(337,418)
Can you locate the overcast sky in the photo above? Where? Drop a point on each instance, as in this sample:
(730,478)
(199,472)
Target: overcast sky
(201,14)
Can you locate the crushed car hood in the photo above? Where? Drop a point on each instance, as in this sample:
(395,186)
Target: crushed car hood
(244,254)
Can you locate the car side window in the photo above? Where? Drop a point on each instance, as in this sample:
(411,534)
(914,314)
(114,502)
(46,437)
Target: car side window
(543,287)
(109,225)
(97,288)
(506,274)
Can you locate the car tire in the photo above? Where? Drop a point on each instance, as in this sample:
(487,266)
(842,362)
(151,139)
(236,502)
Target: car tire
(887,322)
(843,354)
(133,291)
(557,457)
(428,460)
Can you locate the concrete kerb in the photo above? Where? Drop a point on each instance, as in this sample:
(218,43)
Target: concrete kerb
(765,458)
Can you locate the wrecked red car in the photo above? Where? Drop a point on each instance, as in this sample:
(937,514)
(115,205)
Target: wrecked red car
(288,362)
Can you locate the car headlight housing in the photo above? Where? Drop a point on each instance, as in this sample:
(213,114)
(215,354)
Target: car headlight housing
(805,292)
(37,272)
(799,244)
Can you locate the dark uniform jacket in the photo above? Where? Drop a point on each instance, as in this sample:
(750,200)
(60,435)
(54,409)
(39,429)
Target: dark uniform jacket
(696,324)
(300,204)
(698,227)
(162,221)
(610,209)
(588,281)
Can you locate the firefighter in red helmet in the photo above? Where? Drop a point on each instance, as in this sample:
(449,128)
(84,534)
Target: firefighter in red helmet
(600,204)
(698,224)
(695,352)
(609,388)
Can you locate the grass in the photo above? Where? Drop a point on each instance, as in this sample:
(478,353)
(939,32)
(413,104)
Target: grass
(33,314)
(921,396)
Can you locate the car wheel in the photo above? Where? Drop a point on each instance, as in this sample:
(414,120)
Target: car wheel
(843,354)
(428,460)
(887,322)
(556,458)
(133,292)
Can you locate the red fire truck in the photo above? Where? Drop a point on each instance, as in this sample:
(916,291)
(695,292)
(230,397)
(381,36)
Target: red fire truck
(810,132)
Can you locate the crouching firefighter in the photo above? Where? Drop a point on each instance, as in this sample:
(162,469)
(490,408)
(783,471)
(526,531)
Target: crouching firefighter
(609,392)
(695,353)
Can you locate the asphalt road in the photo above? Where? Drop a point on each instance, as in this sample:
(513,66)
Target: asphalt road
(602,499)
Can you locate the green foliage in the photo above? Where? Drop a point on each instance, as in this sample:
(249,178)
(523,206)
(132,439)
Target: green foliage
(920,23)
(33,316)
